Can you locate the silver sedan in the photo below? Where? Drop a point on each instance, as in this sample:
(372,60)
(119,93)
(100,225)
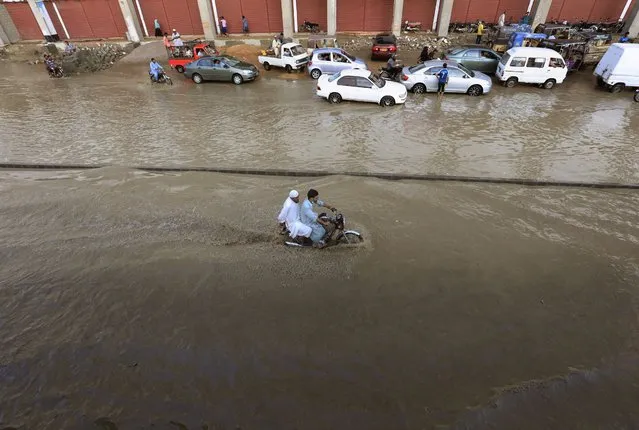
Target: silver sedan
(422,78)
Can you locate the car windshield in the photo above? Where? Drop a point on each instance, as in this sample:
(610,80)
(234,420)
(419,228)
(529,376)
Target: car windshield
(384,40)
(298,50)
(377,80)
(505,59)
(335,76)
(466,70)
(416,68)
(231,61)
(346,54)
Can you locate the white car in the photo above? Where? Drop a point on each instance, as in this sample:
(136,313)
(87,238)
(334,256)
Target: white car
(361,86)
(422,78)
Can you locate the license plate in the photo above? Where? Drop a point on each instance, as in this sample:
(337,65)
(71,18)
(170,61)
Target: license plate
(383,49)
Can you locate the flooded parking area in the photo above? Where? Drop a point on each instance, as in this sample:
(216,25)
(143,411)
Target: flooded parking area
(132,299)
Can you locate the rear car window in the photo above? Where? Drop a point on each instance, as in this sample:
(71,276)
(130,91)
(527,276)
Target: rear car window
(385,40)
(455,51)
(335,76)
(416,68)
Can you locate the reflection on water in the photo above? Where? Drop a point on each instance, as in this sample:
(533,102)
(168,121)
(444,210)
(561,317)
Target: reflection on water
(573,132)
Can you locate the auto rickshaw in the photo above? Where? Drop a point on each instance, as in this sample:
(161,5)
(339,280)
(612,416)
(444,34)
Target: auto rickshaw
(560,31)
(316,41)
(498,40)
(573,51)
(180,56)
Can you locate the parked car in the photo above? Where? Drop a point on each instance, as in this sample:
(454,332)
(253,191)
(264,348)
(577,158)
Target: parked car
(475,58)
(328,61)
(384,45)
(541,66)
(618,67)
(360,85)
(291,57)
(422,78)
(220,68)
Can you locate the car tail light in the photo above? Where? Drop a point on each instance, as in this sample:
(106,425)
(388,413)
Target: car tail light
(404,77)
(376,48)
(392,48)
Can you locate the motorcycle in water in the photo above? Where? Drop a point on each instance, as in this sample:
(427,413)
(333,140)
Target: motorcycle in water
(392,74)
(637,95)
(55,71)
(163,78)
(336,233)
(412,26)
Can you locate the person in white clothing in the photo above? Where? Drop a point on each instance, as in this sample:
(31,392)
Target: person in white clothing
(290,217)
(502,20)
(176,38)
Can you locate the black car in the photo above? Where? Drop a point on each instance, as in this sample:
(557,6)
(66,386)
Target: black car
(384,45)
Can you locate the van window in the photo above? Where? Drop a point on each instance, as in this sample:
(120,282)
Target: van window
(518,62)
(504,59)
(557,62)
(536,62)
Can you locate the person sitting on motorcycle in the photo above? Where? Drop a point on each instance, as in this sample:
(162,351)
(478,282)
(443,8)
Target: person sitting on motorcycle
(393,67)
(155,69)
(310,218)
(50,63)
(289,218)
(424,56)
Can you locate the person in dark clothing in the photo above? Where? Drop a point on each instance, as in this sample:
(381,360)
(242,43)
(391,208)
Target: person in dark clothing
(424,56)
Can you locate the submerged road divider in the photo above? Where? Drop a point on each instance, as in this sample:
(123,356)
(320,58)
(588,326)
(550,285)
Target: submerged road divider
(320,173)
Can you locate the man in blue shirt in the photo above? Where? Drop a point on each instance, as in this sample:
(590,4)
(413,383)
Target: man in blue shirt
(442,80)
(625,38)
(309,218)
(155,69)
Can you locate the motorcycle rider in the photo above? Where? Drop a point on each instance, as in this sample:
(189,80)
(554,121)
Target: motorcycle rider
(310,218)
(155,69)
(289,217)
(392,67)
(52,67)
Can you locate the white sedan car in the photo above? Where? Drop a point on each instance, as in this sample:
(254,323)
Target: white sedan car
(361,86)
(422,78)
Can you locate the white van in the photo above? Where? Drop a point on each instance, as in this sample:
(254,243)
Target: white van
(619,67)
(531,66)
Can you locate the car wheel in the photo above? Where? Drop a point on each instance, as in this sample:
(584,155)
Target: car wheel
(237,79)
(179,69)
(636,97)
(475,90)
(288,68)
(419,88)
(387,101)
(617,88)
(334,98)
(316,73)
(511,82)
(266,66)
(197,78)
(549,84)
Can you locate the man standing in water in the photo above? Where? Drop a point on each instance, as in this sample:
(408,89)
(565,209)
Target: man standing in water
(442,80)
(289,217)
(310,218)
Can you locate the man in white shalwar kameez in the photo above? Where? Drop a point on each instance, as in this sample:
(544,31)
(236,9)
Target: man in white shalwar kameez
(290,216)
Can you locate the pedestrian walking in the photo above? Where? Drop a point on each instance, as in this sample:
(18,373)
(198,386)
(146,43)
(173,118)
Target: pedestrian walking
(442,81)
(166,41)
(223,26)
(158,31)
(525,19)
(502,20)
(245,29)
(480,32)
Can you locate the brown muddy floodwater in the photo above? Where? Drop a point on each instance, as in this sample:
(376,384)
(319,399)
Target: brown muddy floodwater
(136,300)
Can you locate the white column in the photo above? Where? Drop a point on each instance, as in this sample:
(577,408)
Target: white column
(131,20)
(445,11)
(38,17)
(4,39)
(632,23)
(539,12)
(331,17)
(8,31)
(287,17)
(208,21)
(398,11)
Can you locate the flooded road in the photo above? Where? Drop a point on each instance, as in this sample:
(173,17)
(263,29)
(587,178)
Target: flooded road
(573,132)
(166,301)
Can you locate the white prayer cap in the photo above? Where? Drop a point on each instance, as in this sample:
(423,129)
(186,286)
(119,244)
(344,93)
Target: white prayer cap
(293,194)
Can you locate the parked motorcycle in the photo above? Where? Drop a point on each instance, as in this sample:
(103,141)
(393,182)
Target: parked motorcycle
(412,26)
(55,72)
(637,95)
(163,78)
(392,74)
(309,27)
(336,233)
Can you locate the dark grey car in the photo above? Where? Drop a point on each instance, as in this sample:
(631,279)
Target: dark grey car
(475,58)
(220,68)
